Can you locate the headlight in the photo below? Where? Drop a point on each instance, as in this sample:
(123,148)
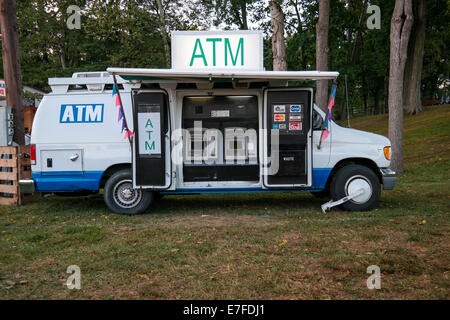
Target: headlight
(387,153)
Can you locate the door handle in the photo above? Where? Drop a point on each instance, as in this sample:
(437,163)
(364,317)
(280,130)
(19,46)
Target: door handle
(74,157)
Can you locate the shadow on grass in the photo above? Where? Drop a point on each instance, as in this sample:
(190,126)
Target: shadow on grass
(255,204)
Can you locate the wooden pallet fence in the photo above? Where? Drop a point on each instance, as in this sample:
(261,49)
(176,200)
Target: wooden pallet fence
(14,165)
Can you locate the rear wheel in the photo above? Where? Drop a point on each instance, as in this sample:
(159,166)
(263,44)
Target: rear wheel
(349,180)
(120,197)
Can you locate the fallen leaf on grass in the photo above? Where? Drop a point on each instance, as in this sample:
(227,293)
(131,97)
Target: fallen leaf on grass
(144,276)
(175,250)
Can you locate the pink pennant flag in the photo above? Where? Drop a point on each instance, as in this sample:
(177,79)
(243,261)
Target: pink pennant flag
(326,131)
(325,134)
(128,134)
(117,101)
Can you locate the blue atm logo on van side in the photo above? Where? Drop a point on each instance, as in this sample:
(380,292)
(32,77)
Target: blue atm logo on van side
(81,113)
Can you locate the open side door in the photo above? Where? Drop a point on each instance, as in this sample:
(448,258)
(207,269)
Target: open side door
(287,113)
(151,147)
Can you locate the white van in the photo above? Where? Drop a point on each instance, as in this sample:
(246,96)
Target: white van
(211,132)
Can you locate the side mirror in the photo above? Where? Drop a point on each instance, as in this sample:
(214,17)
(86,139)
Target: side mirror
(318,123)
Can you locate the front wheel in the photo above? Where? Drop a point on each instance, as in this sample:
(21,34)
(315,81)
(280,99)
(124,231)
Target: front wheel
(120,197)
(349,180)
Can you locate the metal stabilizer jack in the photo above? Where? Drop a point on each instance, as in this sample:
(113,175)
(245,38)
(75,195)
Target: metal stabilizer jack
(330,204)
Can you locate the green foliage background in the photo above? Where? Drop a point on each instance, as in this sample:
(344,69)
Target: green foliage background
(129,34)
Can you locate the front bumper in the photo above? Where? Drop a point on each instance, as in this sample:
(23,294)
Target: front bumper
(27,186)
(389,178)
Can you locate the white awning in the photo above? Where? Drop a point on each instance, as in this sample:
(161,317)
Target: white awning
(172,74)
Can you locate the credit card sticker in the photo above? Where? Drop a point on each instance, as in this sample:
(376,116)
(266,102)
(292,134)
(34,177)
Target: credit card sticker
(279,117)
(295,117)
(296,108)
(295,126)
(279,108)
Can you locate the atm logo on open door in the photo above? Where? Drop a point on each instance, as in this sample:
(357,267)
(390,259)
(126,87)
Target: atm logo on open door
(81,113)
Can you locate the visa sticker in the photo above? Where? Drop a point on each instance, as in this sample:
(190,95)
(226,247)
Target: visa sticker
(296,108)
(293,117)
(279,117)
(295,126)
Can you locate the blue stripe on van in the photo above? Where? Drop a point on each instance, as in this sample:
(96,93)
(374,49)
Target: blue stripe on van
(320,177)
(67,180)
(90,180)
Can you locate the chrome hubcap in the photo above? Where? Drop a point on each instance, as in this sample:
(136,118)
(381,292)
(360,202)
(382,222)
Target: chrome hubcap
(125,196)
(356,183)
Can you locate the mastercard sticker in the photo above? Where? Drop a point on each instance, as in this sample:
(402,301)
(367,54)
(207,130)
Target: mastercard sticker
(279,117)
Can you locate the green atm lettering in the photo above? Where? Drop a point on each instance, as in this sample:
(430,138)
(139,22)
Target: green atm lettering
(228,49)
(149,146)
(213,40)
(194,55)
(198,52)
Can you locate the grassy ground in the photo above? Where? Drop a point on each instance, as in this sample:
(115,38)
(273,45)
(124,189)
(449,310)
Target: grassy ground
(248,246)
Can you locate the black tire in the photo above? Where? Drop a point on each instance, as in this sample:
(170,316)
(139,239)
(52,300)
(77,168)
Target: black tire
(355,177)
(121,198)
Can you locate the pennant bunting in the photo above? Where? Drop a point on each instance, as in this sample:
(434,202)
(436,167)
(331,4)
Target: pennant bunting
(128,134)
(326,130)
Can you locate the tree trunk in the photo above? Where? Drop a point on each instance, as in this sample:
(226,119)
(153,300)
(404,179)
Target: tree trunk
(303,56)
(376,99)
(364,93)
(162,23)
(278,45)
(358,40)
(413,69)
(11,66)
(401,24)
(244,23)
(62,57)
(322,52)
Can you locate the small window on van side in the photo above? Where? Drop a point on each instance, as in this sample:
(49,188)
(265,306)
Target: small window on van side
(318,122)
